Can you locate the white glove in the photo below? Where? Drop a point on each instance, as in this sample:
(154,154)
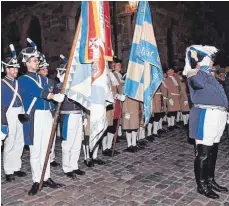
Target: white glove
(171,102)
(58,97)
(185,103)
(3,136)
(121,97)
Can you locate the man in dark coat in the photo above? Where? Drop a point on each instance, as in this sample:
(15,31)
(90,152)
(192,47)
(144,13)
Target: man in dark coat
(208,116)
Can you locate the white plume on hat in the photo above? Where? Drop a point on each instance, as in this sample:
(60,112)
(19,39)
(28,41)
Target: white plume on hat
(11,62)
(29,52)
(204,51)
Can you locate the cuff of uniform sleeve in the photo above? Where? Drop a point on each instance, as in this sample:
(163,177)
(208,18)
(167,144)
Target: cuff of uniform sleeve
(192,73)
(45,94)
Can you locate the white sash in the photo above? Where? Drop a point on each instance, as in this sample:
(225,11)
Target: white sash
(163,84)
(34,99)
(174,80)
(14,96)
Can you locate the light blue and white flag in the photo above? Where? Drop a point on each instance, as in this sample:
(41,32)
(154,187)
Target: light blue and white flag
(79,81)
(144,72)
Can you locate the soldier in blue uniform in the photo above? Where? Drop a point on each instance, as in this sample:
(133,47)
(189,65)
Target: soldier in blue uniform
(43,71)
(37,120)
(11,106)
(208,116)
(71,115)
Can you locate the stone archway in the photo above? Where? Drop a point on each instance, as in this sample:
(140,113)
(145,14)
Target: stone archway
(34,32)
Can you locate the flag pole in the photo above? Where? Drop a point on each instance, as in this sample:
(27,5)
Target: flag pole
(59,104)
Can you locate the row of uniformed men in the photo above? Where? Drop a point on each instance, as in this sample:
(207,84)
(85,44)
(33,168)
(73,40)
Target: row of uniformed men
(27,117)
(34,94)
(170,102)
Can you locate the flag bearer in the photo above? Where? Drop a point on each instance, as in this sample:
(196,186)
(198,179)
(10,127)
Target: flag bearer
(37,120)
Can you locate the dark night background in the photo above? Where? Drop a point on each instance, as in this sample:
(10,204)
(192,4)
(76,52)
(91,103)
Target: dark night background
(218,16)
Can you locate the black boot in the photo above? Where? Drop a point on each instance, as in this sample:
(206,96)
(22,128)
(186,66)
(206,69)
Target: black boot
(106,152)
(34,189)
(54,164)
(170,128)
(20,173)
(50,183)
(156,136)
(159,131)
(10,178)
(89,162)
(98,161)
(79,172)
(201,171)
(71,175)
(140,147)
(142,142)
(150,138)
(211,168)
(129,149)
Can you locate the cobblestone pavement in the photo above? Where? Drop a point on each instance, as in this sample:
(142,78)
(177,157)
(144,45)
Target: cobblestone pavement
(161,174)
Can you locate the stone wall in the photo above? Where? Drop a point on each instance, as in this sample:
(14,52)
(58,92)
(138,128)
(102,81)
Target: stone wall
(174,26)
(57,22)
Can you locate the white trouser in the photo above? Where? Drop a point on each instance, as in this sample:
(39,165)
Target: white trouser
(134,138)
(42,129)
(72,146)
(104,142)
(213,128)
(160,124)
(185,119)
(165,118)
(110,138)
(149,129)
(172,120)
(141,133)
(128,139)
(14,143)
(86,151)
(155,127)
(52,154)
(107,141)
(120,130)
(58,130)
(93,143)
(169,121)
(179,116)
(131,138)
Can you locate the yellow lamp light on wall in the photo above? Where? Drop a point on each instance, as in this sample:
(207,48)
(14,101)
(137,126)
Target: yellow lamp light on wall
(133,5)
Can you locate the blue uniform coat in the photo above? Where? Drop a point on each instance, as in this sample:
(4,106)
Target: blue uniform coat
(206,90)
